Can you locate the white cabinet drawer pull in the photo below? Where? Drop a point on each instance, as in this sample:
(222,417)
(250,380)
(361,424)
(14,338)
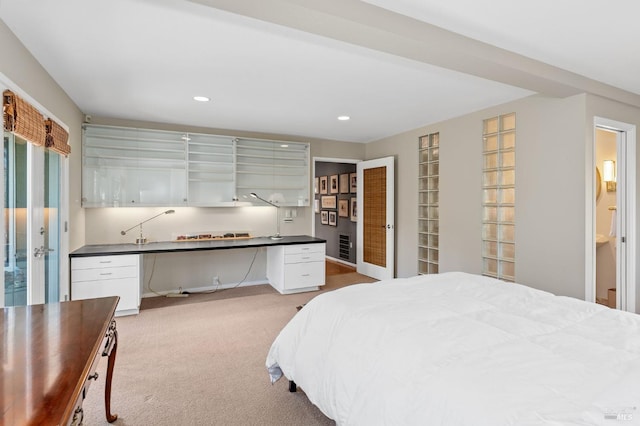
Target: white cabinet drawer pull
(305,275)
(106,273)
(306,257)
(105,261)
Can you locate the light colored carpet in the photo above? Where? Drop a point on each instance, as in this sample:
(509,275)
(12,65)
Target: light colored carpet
(200,361)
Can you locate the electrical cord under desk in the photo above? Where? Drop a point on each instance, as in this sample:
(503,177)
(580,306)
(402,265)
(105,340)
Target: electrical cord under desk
(153,267)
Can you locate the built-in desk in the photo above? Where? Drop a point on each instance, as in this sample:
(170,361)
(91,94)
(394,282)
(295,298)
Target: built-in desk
(49,357)
(294,264)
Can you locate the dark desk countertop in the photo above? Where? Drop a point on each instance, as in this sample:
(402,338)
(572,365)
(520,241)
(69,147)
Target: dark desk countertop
(189,245)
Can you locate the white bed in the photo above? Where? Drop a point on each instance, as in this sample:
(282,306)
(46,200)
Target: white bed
(461,349)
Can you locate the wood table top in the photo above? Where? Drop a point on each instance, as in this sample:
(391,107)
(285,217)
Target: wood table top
(47,352)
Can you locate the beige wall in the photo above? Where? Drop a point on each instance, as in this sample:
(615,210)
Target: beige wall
(554,140)
(19,66)
(549,197)
(553,154)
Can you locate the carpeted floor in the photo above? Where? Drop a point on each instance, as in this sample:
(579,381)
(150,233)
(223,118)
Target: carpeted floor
(200,361)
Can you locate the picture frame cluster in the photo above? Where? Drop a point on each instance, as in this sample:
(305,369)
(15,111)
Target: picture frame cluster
(330,205)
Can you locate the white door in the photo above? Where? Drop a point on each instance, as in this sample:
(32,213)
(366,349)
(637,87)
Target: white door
(31,253)
(376,219)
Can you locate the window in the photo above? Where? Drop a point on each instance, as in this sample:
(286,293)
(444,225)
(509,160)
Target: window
(498,195)
(429,183)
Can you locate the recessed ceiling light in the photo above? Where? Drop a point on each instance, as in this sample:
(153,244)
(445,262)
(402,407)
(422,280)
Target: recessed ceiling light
(201,99)
(344,118)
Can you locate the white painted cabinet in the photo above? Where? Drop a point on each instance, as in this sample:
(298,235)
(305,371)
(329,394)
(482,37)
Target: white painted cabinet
(296,268)
(102,276)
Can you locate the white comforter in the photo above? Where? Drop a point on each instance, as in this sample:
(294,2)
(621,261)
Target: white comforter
(460,349)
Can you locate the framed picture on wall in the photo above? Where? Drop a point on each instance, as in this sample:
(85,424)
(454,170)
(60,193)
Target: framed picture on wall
(328,201)
(316,206)
(354,209)
(343,208)
(353,183)
(324,217)
(333,219)
(316,186)
(333,184)
(344,183)
(323,185)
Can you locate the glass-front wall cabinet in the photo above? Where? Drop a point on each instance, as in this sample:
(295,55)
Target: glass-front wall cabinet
(132,167)
(276,171)
(140,167)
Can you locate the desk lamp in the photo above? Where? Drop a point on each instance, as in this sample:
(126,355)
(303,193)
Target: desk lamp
(277,235)
(141,239)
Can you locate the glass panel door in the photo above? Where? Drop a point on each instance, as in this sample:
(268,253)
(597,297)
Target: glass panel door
(51,246)
(15,221)
(31,223)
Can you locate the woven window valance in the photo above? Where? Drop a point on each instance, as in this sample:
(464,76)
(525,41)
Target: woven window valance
(23,119)
(57,137)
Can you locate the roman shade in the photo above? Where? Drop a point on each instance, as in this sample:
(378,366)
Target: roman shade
(23,119)
(56,138)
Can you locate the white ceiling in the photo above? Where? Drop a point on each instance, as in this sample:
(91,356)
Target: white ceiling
(266,70)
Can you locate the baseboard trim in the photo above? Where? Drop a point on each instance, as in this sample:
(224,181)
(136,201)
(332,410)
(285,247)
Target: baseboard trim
(344,262)
(206,288)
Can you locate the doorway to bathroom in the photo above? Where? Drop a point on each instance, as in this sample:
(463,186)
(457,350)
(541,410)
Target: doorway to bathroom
(612,262)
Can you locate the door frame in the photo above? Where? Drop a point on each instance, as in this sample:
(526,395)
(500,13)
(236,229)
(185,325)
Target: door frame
(313,175)
(63,276)
(626,165)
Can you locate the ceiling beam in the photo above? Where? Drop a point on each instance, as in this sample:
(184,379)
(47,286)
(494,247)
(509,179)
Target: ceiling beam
(366,25)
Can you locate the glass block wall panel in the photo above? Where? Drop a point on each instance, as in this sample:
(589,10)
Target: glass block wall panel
(429,183)
(499,194)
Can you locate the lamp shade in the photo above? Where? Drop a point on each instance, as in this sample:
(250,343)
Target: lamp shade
(609,171)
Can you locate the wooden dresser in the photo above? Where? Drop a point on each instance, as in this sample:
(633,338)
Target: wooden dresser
(49,356)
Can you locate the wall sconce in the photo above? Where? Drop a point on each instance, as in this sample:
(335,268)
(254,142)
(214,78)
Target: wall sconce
(609,175)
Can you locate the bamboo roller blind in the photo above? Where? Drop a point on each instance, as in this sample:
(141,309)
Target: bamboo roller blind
(23,119)
(375,216)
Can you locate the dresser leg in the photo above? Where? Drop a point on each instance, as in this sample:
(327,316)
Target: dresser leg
(107,390)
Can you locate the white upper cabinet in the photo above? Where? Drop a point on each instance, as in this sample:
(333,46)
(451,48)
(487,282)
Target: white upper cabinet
(128,167)
(124,167)
(211,170)
(275,171)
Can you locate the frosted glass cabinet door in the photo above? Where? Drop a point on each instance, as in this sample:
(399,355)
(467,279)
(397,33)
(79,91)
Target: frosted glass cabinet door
(276,171)
(132,167)
(127,167)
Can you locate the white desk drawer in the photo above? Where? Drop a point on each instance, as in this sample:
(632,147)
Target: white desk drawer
(304,248)
(93,262)
(78,275)
(126,288)
(304,257)
(300,275)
